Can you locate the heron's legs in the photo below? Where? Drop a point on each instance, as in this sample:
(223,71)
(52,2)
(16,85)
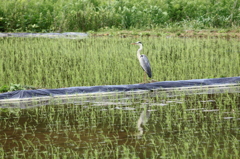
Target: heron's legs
(145,78)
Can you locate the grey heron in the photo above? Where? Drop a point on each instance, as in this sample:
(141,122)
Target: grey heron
(143,60)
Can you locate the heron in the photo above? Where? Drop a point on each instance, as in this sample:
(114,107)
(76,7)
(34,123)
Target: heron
(143,60)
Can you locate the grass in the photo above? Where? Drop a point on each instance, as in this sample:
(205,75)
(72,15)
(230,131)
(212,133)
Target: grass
(57,63)
(81,15)
(194,126)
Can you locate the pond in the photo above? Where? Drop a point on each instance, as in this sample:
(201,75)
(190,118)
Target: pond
(185,126)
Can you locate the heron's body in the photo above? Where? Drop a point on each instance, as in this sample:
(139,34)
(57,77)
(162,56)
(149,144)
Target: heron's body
(143,60)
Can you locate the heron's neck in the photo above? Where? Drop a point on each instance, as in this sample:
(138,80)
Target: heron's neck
(139,50)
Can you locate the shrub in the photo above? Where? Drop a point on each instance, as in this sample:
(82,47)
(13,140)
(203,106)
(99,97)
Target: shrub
(82,15)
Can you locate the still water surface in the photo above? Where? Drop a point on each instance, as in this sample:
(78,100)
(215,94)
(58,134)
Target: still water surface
(186,126)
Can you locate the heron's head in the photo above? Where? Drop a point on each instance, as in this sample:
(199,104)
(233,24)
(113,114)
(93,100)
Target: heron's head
(139,43)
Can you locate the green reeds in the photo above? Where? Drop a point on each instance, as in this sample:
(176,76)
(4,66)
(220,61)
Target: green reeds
(55,63)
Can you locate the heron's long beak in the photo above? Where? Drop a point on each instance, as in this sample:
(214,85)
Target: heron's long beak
(133,43)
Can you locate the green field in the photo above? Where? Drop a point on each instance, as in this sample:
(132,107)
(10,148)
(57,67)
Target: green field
(58,63)
(150,125)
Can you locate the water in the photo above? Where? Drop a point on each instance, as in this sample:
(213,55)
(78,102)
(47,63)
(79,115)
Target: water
(183,126)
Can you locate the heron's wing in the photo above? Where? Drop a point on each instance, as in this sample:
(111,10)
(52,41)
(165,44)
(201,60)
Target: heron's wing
(144,62)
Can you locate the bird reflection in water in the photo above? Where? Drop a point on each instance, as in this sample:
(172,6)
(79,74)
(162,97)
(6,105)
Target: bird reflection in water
(143,119)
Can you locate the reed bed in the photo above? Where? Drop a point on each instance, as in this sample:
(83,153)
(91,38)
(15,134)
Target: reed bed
(57,63)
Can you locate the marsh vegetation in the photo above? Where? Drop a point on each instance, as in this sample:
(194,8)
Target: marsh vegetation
(57,63)
(185,126)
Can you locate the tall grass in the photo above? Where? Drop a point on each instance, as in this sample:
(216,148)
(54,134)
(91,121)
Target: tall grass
(81,15)
(55,63)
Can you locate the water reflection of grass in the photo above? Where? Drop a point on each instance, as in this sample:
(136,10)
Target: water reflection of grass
(194,126)
(56,63)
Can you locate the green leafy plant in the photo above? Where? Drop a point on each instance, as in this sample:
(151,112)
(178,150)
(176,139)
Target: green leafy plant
(14,87)
(4,88)
(81,15)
